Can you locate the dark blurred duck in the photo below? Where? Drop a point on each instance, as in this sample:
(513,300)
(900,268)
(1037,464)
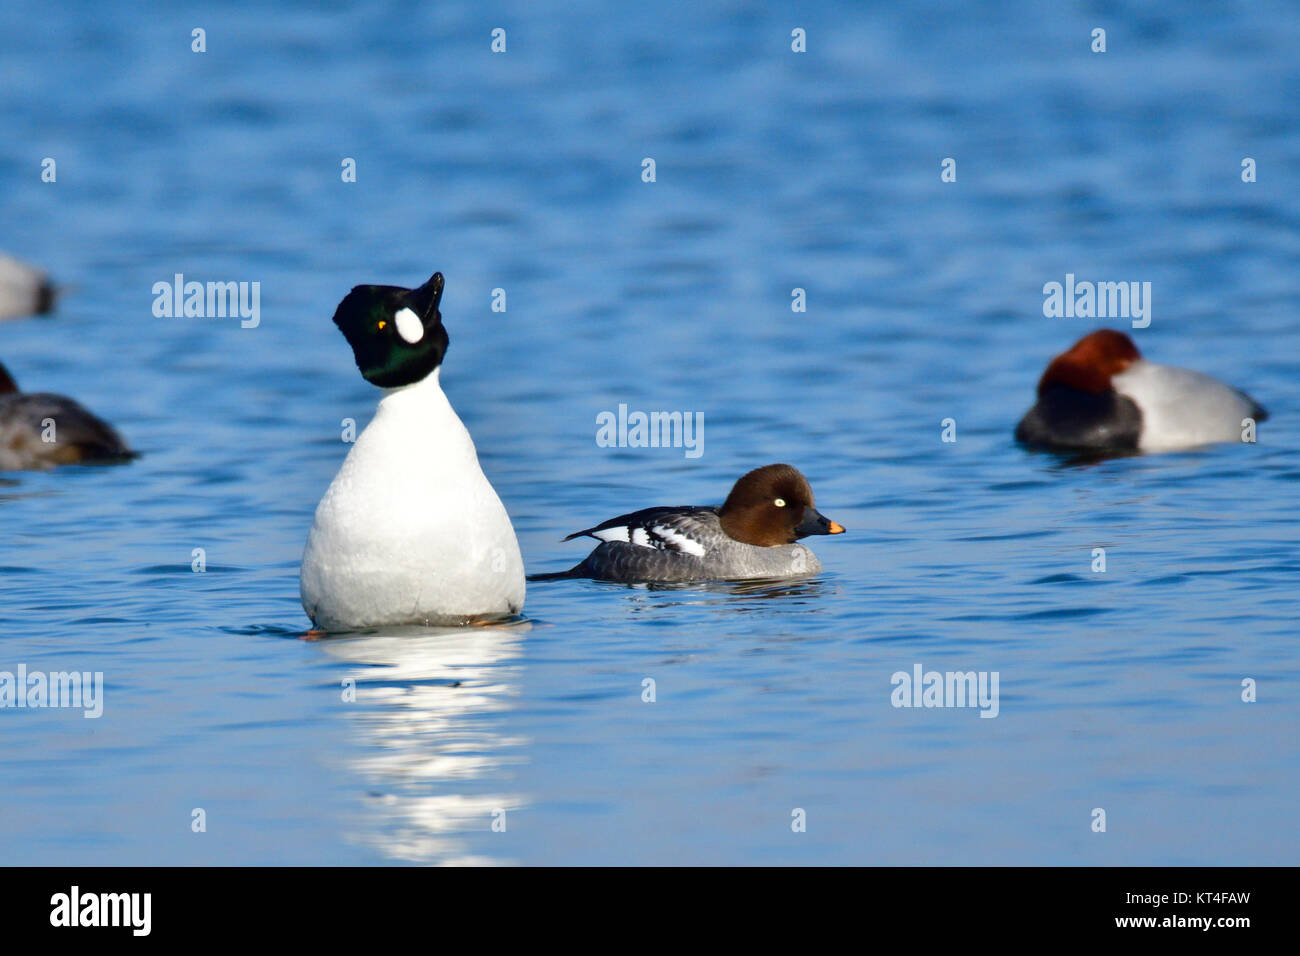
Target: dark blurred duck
(42,430)
(24,290)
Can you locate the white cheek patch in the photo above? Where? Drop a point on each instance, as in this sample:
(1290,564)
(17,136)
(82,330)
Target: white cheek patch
(409,326)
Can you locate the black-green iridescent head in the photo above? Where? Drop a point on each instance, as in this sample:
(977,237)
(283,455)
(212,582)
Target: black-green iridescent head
(396,334)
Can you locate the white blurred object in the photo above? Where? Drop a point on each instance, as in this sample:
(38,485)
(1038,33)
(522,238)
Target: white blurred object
(1182,409)
(24,290)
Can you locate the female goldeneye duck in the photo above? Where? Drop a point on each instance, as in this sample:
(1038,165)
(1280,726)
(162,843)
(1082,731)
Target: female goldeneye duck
(753,535)
(42,430)
(410,531)
(1102,396)
(24,290)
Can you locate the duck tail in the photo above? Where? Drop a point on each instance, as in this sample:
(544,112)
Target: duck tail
(556,575)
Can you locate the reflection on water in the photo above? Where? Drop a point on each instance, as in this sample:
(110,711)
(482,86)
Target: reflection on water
(732,596)
(431,707)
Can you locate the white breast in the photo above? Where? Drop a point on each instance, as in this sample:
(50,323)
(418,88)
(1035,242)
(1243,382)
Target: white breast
(410,530)
(1181,408)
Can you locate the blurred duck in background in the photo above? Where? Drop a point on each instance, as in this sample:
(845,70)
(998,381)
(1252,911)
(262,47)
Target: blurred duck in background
(24,290)
(41,430)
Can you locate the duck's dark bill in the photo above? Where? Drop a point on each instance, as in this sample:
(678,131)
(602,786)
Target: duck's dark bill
(814,522)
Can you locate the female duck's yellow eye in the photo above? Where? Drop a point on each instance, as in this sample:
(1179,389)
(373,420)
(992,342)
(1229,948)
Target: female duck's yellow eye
(381,326)
(780,502)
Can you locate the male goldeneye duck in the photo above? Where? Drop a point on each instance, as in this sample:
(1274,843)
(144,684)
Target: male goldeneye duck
(1102,396)
(753,535)
(410,531)
(41,430)
(24,290)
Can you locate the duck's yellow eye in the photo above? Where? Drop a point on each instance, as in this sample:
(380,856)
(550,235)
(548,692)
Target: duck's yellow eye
(780,502)
(382,325)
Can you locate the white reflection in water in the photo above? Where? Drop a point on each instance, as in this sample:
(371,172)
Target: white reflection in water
(430,713)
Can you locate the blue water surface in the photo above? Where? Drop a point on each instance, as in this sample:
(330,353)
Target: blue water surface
(774,170)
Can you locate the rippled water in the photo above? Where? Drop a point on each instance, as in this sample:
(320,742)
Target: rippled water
(1119,690)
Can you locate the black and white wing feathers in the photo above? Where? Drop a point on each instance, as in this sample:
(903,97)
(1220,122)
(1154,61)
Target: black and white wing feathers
(685,530)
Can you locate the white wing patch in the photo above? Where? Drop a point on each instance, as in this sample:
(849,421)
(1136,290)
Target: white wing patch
(679,541)
(409,326)
(675,533)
